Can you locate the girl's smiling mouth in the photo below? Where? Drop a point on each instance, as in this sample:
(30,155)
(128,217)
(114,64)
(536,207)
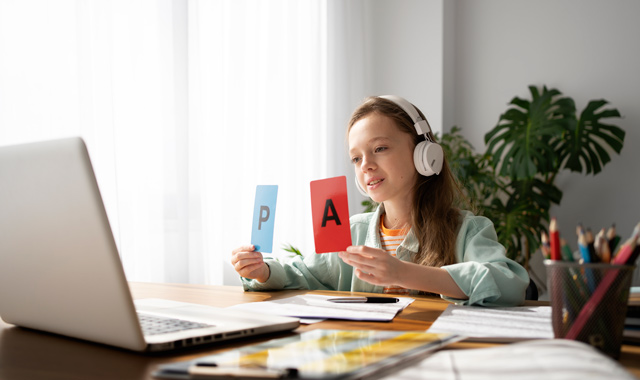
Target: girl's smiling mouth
(375,182)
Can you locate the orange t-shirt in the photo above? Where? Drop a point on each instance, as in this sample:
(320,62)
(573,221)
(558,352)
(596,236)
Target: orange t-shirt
(390,240)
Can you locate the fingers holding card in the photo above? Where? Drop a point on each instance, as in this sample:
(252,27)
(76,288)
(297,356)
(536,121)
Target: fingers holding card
(264,217)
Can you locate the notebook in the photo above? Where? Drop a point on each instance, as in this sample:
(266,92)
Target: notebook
(60,270)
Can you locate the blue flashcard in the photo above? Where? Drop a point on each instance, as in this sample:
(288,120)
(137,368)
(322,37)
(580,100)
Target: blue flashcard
(264,217)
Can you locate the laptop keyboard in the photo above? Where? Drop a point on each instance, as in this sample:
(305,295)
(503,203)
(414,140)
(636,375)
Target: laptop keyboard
(154,325)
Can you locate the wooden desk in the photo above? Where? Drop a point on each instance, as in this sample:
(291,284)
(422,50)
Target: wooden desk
(26,354)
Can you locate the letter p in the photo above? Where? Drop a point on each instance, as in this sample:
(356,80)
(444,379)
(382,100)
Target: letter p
(264,215)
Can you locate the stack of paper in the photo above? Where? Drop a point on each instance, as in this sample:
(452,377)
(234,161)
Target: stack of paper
(539,359)
(312,308)
(503,324)
(631,333)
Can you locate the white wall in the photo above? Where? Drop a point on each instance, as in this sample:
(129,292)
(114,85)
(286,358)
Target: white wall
(390,47)
(588,49)
(462,61)
(406,39)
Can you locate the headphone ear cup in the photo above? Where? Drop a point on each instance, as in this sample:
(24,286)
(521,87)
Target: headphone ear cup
(428,158)
(360,189)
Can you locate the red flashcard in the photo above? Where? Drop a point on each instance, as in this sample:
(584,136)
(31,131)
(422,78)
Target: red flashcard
(330,213)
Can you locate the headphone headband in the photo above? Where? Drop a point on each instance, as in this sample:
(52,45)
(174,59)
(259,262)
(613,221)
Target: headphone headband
(421,125)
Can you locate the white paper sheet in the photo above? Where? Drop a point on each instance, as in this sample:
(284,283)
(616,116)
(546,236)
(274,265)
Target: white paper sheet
(319,307)
(532,360)
(496,324)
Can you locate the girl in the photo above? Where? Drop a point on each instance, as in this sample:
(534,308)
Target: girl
(416,240)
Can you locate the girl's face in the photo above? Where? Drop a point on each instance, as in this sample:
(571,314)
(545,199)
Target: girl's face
(383,158)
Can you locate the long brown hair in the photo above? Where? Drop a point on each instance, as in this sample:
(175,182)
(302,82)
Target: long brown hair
(435,216)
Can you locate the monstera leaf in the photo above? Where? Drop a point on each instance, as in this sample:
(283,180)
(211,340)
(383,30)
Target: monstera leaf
(522,142)
(584,147)
(533,141)
(534,194)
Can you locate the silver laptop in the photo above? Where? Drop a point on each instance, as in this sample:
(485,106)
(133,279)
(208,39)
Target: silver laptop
(60,270)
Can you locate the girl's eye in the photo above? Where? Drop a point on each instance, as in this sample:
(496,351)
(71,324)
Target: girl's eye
(380,149)
(355,160)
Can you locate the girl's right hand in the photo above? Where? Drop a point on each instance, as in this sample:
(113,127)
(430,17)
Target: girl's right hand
(249,263)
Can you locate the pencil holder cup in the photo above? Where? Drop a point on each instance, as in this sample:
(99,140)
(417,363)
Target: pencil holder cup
(589,302)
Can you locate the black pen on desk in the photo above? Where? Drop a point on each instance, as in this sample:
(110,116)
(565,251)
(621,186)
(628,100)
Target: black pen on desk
(364,300)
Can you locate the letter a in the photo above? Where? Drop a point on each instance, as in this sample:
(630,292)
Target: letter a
(334,215)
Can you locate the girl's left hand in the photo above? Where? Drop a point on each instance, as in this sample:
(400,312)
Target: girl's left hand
(373,265)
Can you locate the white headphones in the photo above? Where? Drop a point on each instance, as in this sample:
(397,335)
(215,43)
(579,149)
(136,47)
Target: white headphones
(428,156)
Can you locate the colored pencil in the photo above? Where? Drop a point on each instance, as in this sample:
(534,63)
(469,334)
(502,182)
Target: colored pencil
(582,247)
(544,248)
(602,247)
(554,239)
(635,253)
(605,253)
(625,255)
(612,238)
(591,246)
(567,255)
(597,244)
(592,304)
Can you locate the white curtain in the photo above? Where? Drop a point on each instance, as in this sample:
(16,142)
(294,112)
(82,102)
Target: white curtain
(185,106)
(257,115)
(104,70)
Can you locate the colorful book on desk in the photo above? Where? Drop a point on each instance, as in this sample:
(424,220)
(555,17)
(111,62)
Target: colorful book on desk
(316,354)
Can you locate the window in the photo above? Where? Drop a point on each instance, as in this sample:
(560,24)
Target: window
(185,108)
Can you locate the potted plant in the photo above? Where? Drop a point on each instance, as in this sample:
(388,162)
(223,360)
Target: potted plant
(513,182)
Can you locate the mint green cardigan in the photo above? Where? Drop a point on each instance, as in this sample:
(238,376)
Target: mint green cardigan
(482,272)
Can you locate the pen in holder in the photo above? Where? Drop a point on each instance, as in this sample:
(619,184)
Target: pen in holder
(589,302)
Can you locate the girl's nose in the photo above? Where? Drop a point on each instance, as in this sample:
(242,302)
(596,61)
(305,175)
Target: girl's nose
(367,163)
